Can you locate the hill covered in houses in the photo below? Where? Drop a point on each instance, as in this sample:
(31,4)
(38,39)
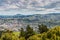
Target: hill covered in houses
(17,21)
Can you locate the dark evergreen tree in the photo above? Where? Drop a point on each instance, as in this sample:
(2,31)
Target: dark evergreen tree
(29,32)
(22,33)
(42,28)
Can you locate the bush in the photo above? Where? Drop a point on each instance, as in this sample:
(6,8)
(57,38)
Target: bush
(35,37)
(52,34)
(22,38)
(9,36)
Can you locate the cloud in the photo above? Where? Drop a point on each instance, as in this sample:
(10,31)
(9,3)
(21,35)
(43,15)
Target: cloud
(12,6)
(29,6)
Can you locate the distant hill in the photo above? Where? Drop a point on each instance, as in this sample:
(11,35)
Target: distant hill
(51,19)
(36,17)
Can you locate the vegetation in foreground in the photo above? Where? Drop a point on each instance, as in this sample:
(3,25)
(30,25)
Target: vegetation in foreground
(43,33)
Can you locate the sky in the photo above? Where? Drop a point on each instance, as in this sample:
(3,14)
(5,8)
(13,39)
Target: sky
(28,7)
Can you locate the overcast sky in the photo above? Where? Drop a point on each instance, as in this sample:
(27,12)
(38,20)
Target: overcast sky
(28,7)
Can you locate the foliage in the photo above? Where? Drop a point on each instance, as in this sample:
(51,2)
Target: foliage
(8,36)
(22,33)
(29,32)
(16,33)
(42,28)
(51,34)
(22,38)
(35,37)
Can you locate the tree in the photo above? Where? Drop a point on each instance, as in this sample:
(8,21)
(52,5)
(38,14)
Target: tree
(29,32)
(9,36)
(42,28)
(22,32)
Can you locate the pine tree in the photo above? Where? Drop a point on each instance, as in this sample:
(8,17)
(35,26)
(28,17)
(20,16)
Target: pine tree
(22,33)
(42,28)
(29,32)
